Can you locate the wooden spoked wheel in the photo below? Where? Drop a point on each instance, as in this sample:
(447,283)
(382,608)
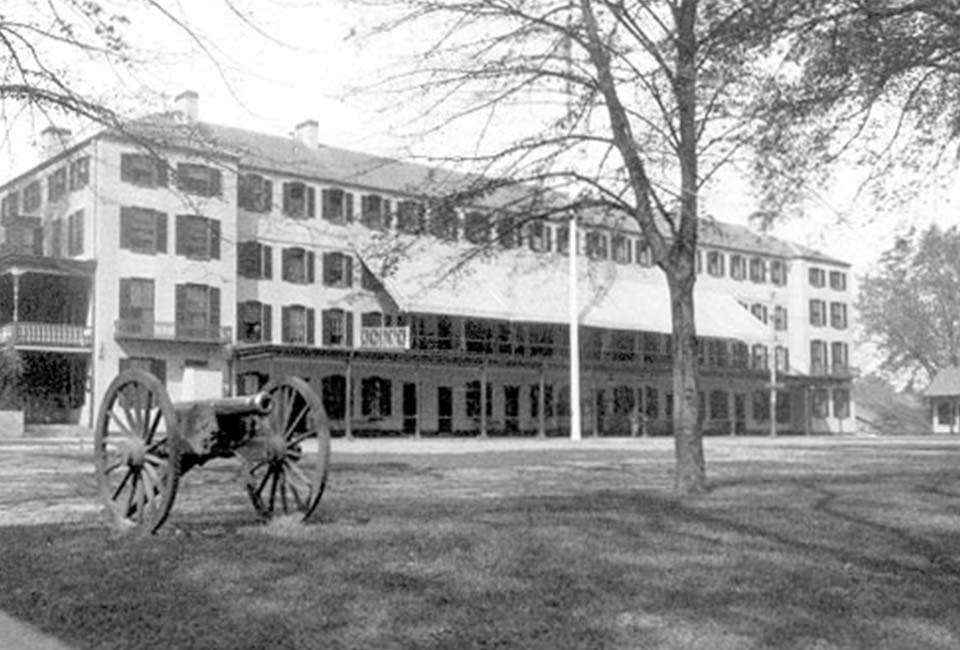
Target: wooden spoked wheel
(137,445)
(283,474)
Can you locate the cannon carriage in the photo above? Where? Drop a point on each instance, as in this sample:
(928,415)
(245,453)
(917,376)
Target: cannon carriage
(144,443)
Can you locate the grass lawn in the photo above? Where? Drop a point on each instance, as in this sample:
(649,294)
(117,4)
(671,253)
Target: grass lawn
(812,544)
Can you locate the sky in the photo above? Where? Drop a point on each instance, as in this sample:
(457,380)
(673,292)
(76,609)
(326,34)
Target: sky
(300,59)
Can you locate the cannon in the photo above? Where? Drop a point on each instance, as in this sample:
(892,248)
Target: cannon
(144,443)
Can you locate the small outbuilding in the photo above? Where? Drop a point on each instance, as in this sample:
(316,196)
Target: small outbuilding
(943,394)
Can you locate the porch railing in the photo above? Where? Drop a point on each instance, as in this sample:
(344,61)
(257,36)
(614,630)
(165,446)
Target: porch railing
(166,331)
(385,338)
(56,335)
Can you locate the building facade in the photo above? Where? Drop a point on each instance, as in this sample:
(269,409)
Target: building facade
(218,258)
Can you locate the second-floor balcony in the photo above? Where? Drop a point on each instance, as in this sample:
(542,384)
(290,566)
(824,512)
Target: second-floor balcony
(385,338)
(46,335)
(126,329)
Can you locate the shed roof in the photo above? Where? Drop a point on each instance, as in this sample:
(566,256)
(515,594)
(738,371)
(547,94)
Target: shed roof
(945,384)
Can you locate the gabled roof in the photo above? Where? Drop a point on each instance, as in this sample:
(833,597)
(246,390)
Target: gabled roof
(945,384)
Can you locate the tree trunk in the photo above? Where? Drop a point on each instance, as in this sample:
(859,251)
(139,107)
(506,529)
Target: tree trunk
(690,473)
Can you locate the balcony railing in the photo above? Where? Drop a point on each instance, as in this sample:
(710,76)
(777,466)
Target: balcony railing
(53,335)
(385,338)
(165,331)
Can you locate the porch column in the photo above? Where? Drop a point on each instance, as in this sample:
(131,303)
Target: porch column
(348,398)
(541,403)
(483,399)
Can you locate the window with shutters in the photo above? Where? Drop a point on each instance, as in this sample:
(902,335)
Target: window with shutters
(818,313)
(57,184)
(298,325)
(760,357)
(254,261)
(136,301)
(79,173)
(780,318)
(143,230)
(740,355)
(197,312)
(758,270)
(156,367)
(254,322)
(738,267)
(817,277)
(841,403)
(820,403)
(337,205)
(444,221)
(838,281)
(596,245)
(376,397)
(298,265)
(201,180)
(838,315)
(75,233)
(839,356)
(299,200)
(337,328)
(337,270)
(32,197)
(198,238)
(476,227)
(538,236)
(255,193)
(760,311)
(818,356)
(143,170)
(778,272)
(782,358)
(411,217)
(375,211)
(622,249)
(715,264)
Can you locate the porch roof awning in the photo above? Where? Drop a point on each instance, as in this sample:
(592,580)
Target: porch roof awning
(521,286)
(41,264)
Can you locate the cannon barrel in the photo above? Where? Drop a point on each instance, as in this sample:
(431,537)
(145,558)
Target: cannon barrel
(256,404)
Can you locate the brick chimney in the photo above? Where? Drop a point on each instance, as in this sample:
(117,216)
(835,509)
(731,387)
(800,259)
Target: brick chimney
(306,132)
(54,140)
(188,105)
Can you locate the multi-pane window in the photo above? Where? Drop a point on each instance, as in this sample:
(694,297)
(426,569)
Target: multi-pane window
(197,311)
(254,322)
(818,313)
(57,184)
(473,397)
(255,260)
(201,180)
(79,173)
(376,397)
(817,277)
(760,357)
(621,249)
(841,403)
(715,264)
(740,355)
(337,205)
(820,405)
(143,170)
(596,245)
(538,236)
(780,318)
(411,217)
(10,206)
(476,227)
(738,267)
(719,405)
(644,255)
(299,200)
(136,305)
(254,193)
(375,211)
(839,354)
(758,269)
(782,358)
(838,280)
(337,270)
(337,327)
(760,311)
(198,238)
(506,227)
(298,265)
(298,325)
(143,230)
(778,272)
(75,233)
(32,197)
(818,356)
(838,315)
(444,221)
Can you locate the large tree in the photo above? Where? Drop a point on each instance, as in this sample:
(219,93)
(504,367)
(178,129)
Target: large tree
(628,106)
(910,307)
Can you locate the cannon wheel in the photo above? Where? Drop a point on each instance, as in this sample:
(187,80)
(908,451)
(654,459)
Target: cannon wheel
(137,448)
(280,478)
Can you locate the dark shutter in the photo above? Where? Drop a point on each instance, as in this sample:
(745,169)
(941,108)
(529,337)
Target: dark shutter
(244,266)
(349,209)
(124,298)
(266,325)
(55,236)
(214,295)
(181,303)
(348,326)
(285,264)
(311,262)
(267,262)
(162,172)
(242,308)
(326,209)
(216,183)
(311,201)
(286,198)
(285,324)
(347,271)
(214,236)
(125,218)
(328,261)
(386,213)
(181,235)
(267,195)
(311,325)
(161,232)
